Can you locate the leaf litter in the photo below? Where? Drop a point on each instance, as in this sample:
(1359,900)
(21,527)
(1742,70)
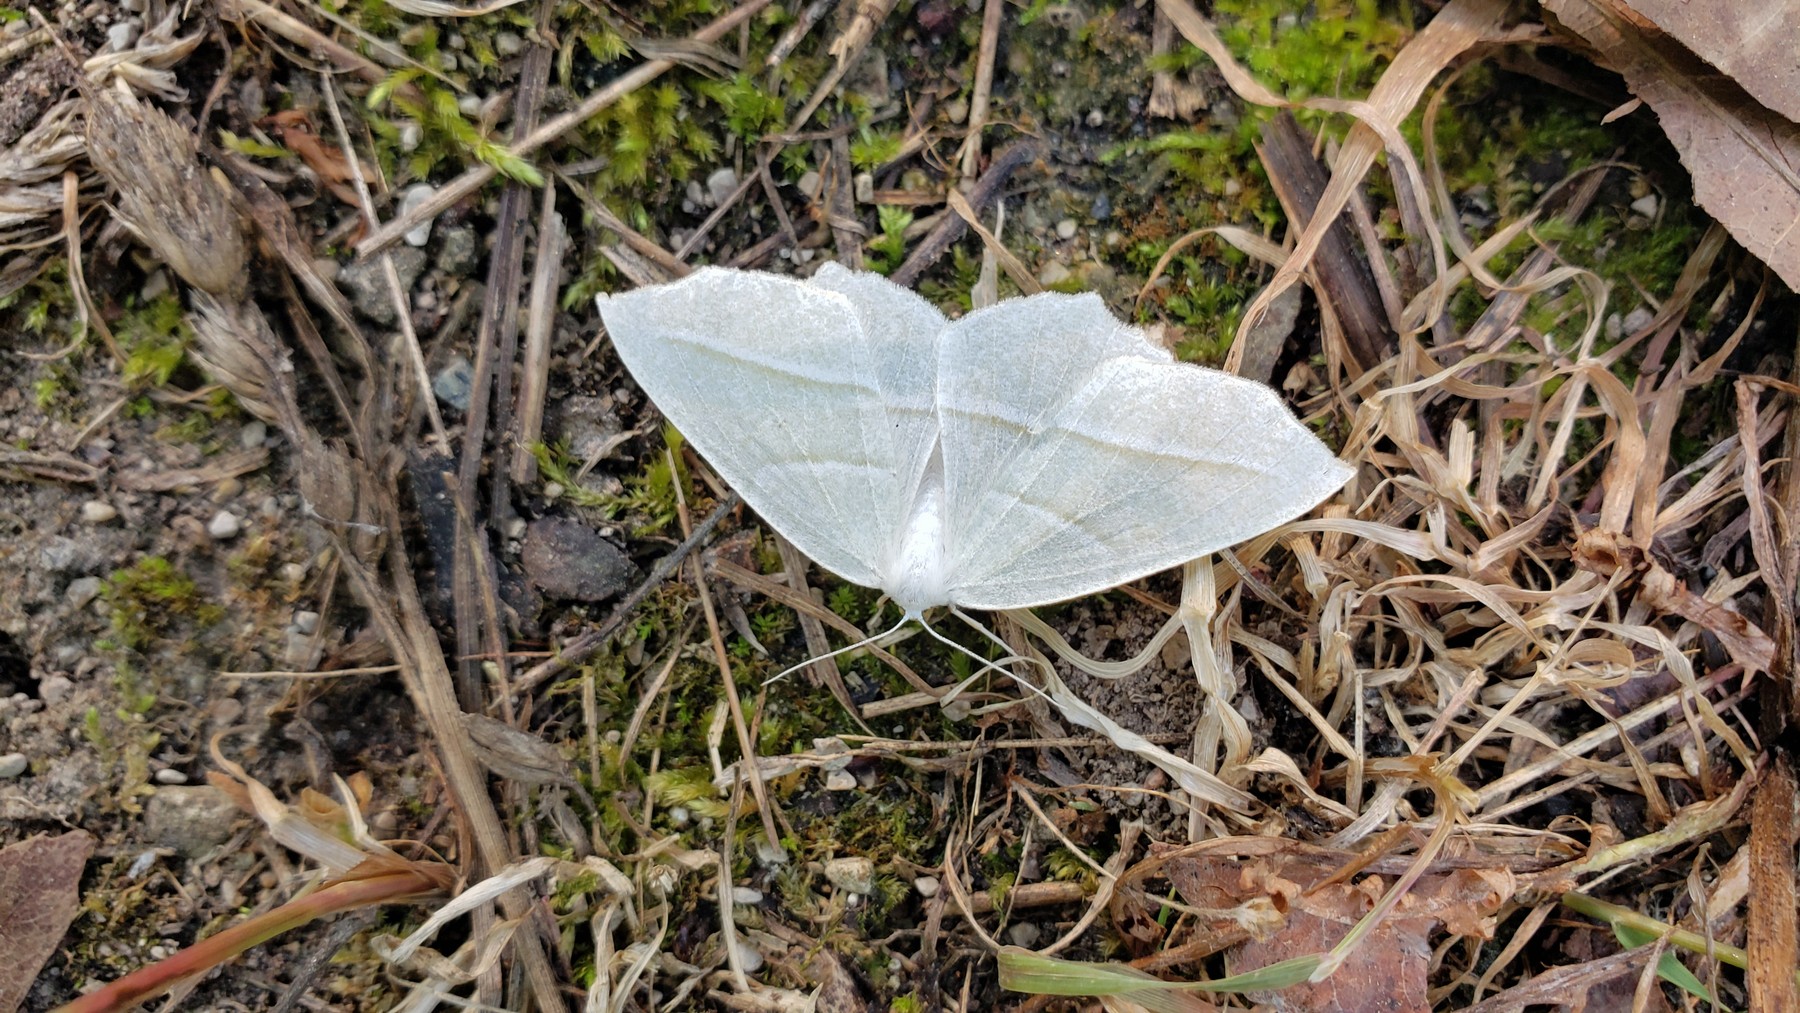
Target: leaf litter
(1521,659)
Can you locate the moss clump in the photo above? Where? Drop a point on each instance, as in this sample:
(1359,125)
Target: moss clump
(150,597)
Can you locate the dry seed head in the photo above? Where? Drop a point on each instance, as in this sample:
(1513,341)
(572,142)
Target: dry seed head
(165,195)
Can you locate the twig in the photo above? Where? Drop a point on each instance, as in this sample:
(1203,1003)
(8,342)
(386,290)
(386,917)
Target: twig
(984,86)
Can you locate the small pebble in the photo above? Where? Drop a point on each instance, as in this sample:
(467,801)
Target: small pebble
(928,886)
(840,780)
(169,775)
(746,895)
(122,36)
(1065,229)
(54,689)
(224,526)
(1023,934)
(12,765)
(864,184)
(957,110)
(253,434)
(411,198)
(1095,118)
(809,183)
(82,590)
(508,43)
(1645,205)
(293,573)
(454,383)
(411,133)
(854,875)
(468,105)
(749,957)
(306,622)
(96,511)
(721,185)
(1053,273)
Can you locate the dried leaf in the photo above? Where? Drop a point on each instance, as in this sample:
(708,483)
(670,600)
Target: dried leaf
(40,891)
(1752,43)
(1742,157)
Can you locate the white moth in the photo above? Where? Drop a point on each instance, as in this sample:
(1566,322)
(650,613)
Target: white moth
(1025,454)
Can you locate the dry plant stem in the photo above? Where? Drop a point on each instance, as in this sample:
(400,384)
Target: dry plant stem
(397,291)
(1771,945)
(824,668)
(475,178)
(637,241)
(540,321)
(984,86)
(746,744)
(1299,181)
(300,33)
(534,79)
(393,884)
(577,650)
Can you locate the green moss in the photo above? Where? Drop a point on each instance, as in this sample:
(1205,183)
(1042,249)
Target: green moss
(150,597)
(154,337)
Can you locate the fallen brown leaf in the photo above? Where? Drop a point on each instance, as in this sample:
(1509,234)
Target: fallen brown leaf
(40,891)
(1742,156)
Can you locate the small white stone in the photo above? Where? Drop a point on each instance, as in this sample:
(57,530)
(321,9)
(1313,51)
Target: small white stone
(514,528)
(749,957)
(54,689)
(840,780)
(721,185)
(122,36)
(746,895)
(853,875)
(306,622)
(1095,118)
(928,886)
(253,434)
(508,43)
(169,775)
(1052,273)
(468,105)
(1645,205)
(1066,228)
(96,511)
(81,591)
(1023,934)
(695,194)
(293,573)
(1638,319)
(224,526)
(410,198)
(809,183)
(864,184)
(12,765)
(410,135)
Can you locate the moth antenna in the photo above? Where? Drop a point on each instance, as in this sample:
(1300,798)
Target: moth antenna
(986,665)
(866,641)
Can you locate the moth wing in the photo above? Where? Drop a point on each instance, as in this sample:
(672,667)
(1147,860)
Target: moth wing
(1079,456)
(781,388)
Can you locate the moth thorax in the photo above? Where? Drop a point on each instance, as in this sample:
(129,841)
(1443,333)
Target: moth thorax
(917,575)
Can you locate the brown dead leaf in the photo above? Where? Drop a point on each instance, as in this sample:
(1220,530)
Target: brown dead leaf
(1388,971)
(1743,157)
(40,891)
(296,131)
(1752,43)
